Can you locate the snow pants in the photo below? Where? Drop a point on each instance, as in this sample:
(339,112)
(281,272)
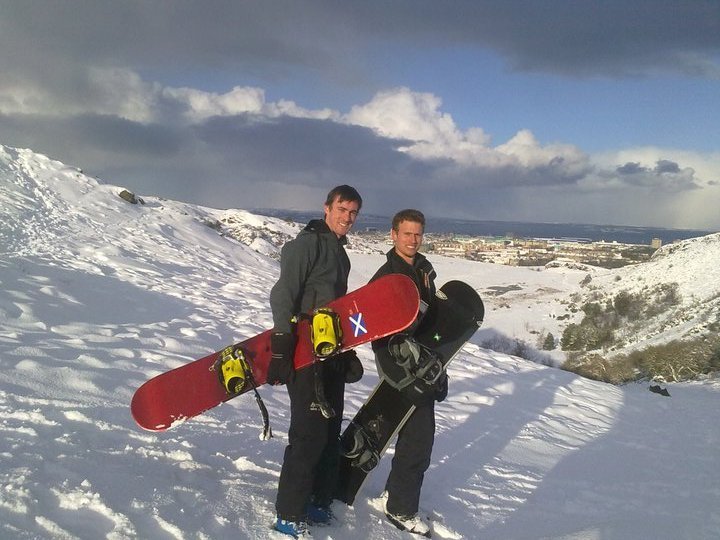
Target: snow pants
(310,465)
(413,450)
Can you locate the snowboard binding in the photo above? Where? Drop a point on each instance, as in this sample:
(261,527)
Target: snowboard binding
(235,374)
(326,332)
(417,362)
(234,369)
(326,336)
(361,449)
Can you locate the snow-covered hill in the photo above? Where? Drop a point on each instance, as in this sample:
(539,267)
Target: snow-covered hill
(682,285)
(97,295)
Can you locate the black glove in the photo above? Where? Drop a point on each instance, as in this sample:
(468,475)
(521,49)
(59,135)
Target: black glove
(441,387)
(281,369)
(353,367)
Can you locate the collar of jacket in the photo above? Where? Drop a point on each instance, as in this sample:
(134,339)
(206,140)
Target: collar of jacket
(419,261)
(318,226)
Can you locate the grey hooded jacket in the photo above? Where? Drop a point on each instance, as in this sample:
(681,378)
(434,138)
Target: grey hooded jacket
(314,270)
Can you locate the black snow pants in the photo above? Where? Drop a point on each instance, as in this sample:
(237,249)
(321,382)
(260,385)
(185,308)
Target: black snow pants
(310,464)
(413,450)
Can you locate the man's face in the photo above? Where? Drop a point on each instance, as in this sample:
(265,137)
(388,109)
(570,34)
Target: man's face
(340,216)
(407,239)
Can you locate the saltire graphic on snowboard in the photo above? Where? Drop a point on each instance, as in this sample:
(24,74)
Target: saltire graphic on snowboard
(449,323)
(383,307)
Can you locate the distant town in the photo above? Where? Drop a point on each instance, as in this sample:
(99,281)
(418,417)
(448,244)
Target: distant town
(515,251)
(529,244)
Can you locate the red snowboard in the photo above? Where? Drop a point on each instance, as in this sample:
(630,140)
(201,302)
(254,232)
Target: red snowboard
(385,306)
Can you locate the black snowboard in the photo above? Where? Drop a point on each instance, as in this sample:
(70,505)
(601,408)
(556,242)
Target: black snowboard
(448,324)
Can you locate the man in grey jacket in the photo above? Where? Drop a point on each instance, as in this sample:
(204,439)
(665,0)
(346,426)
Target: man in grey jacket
(314,270)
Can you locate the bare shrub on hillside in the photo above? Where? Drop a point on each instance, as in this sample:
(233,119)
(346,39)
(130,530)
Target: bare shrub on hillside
(626,311)
(674,361)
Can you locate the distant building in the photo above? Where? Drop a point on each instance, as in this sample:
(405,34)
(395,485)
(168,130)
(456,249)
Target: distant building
(656,243)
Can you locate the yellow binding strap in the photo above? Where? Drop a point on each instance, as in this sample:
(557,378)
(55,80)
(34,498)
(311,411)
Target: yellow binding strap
(234,369)
(326,332)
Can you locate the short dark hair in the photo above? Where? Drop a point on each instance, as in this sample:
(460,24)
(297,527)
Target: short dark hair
(409,214)
(343,193)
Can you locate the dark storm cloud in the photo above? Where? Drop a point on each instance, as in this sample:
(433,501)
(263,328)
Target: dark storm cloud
(666,166)
(170,35)
(666,175)
(77,136)
(631,168)
(288,147)
(503,177)
(610,37)
(311,151)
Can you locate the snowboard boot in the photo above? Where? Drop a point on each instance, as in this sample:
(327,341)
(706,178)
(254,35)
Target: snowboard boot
(319,515)
(295,529)
(411,524)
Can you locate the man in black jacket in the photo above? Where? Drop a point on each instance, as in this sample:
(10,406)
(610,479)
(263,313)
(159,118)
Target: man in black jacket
(415,440)
(314,270)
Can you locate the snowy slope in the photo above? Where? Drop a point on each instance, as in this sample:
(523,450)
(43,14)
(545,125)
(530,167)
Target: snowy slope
(97,295)
(692,266)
